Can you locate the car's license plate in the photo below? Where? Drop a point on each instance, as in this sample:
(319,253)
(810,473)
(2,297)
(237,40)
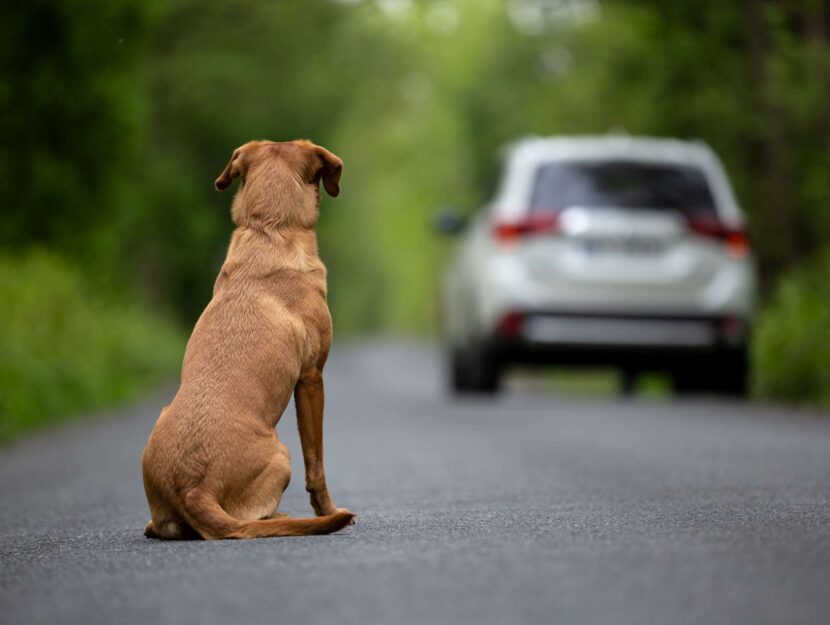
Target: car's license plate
(622,247)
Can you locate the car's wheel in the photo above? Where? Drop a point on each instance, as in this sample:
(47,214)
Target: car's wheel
(725,373)
(474,370)
(731,372)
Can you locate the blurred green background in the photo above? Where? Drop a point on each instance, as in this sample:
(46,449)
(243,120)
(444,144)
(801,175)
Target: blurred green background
(118,114)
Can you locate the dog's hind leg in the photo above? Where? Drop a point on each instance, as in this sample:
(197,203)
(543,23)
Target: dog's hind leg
(260,494)
(283,477)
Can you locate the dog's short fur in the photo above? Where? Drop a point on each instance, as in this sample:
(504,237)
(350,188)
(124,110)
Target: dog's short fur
(213,466)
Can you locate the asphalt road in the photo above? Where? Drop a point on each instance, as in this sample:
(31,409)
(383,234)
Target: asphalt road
(527,509)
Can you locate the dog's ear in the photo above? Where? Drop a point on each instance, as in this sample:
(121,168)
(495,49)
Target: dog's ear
(230,172)
(328,167)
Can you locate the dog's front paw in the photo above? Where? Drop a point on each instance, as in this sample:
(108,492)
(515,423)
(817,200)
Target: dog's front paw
(347,511)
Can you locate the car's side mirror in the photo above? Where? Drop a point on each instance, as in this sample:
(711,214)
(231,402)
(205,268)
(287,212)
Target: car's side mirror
(448,220)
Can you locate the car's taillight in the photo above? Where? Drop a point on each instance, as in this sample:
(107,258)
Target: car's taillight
(511,324)
(537,223)
(735,240)
(732,329)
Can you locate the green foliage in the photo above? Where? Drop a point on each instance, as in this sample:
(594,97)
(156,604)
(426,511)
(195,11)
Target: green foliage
(72,115)
(219,74)
(128,110)
(67,349)
(792,340)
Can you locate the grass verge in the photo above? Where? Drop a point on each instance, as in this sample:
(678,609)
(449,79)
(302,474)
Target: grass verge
(66,348)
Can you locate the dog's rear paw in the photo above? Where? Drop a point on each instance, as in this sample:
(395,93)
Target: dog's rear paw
(150,530)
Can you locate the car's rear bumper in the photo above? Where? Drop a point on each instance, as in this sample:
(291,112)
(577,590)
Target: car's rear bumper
(602,339)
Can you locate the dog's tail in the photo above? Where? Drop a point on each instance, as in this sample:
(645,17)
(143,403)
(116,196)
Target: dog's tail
(210,520)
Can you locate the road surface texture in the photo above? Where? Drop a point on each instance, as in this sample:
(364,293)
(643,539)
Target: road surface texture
(529,508)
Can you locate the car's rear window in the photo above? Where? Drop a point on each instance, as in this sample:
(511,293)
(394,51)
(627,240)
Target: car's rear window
(625,184)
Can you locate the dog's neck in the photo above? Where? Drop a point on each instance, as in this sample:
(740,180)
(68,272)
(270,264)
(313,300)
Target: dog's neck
(258,251)
(276,218)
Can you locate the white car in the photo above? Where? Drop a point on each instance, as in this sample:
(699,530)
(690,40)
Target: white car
(608,250)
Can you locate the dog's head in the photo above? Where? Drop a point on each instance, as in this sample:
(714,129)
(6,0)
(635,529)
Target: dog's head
(280,181)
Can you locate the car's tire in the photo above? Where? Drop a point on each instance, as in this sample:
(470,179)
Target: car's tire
(474,370)
(731,372)
(724,373)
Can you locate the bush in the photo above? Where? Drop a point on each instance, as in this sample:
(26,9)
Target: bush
(66,348)
(792,342)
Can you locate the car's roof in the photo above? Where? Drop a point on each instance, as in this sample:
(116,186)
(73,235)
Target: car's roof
(610,147)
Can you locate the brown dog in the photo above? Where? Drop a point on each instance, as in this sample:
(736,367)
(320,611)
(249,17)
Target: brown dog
(214,466)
